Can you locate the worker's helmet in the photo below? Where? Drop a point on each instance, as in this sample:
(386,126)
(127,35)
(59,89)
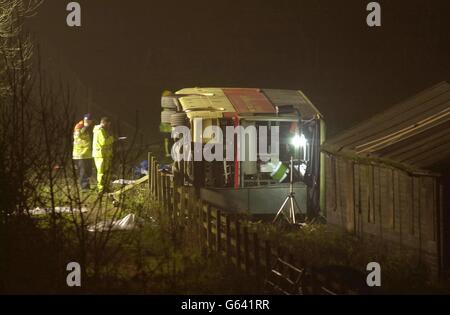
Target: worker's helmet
(167,93)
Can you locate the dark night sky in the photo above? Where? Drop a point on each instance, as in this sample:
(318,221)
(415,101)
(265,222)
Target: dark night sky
(127,52)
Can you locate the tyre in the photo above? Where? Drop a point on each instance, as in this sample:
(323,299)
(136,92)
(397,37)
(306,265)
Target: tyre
(178,119)
(165,116)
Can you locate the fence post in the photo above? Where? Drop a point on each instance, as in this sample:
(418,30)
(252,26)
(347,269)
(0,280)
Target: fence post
(174,196)
(189,202)
(167,193)
(238,244)
(228,236)
(218,231)
(153,175)
(164,192)
(160,187)
(157,182)
(182,203)
(203,221)
(149,165)
(246,251)
(268,254)
(199,221)
(256,253)
(154,171)
(208,228)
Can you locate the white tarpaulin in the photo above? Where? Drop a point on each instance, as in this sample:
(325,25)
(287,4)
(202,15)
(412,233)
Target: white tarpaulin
(126,223)
(44,211)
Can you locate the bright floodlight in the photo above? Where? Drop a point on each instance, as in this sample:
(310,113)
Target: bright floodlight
(299,141)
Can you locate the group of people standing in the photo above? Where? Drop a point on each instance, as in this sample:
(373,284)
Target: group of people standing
(93,144)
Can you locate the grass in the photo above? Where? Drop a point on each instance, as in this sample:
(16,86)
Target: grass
(153,258)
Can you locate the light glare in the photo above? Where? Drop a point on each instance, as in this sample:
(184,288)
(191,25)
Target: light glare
(299,141)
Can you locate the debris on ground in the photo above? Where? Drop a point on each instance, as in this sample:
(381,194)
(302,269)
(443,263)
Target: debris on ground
(126,223)
(124,181)
(45,211)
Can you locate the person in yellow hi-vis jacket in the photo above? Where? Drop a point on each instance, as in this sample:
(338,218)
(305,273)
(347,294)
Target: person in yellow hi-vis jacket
(102,152)
(82,150)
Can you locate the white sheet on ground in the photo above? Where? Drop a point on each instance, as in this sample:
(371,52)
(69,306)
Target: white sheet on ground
(126,223)
(44,211)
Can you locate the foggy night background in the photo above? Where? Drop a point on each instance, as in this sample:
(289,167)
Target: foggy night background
(127,52)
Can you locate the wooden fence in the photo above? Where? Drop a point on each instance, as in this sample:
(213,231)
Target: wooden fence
(386,203)
(227,234)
